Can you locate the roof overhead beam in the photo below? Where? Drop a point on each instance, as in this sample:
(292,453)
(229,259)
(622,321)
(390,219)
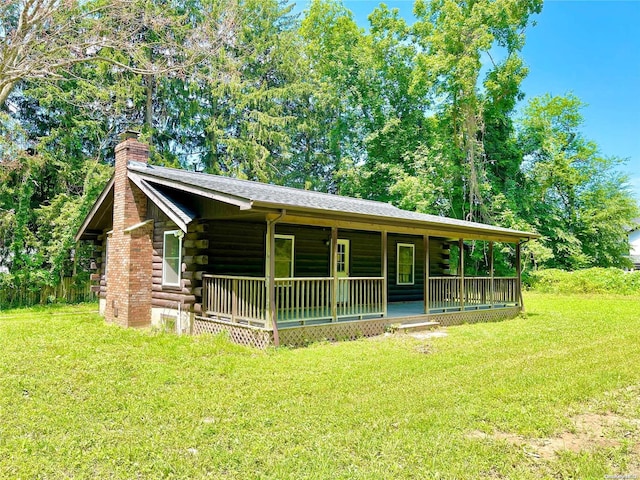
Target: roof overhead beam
(91,234)
(452,228)
(394,227)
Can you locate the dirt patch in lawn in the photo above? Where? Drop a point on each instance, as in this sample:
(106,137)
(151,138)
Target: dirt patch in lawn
(423,335)
(590,431)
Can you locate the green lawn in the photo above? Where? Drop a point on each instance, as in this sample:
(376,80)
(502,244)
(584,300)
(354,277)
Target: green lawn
(81,399)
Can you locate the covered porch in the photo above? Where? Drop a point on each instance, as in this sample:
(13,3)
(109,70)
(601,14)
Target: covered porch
(279,303)
(292,278)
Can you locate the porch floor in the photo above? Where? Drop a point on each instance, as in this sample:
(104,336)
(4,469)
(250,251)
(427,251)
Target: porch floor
(414,309)
(403,311)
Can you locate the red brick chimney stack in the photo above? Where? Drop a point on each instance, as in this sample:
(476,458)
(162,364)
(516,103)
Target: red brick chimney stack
(129,259)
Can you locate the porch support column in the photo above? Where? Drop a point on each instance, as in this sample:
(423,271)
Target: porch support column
(383,269)
(334,273)
(519,276)
(270,267)
(491,285)
(461,271)
(426,274)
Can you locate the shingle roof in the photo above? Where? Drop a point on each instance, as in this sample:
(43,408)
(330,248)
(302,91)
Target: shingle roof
(267,195)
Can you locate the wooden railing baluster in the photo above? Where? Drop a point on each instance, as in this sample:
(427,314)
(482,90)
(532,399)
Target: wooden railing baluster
(300,299)
(444,292)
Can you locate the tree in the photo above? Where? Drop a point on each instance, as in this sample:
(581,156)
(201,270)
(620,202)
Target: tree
(75,75)
(574,196)
(333,44)
(453,37)
(44,39)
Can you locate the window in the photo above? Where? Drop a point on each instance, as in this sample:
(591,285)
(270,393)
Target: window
(284,256)
(405,260)
(172,258)
(343,258)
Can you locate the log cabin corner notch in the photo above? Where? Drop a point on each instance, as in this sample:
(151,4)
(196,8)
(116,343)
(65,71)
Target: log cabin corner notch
(271,264)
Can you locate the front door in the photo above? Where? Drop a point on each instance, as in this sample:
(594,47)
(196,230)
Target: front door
(343,270)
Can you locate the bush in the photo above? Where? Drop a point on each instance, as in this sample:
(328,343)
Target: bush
(591,280)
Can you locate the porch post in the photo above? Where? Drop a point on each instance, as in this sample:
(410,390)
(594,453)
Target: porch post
(384,266)
(461,271)
(491,285)
(270,267)
(334,273)
(426,274)
(519,275)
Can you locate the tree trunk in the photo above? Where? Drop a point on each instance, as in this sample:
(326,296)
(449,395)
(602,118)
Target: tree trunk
(150,83)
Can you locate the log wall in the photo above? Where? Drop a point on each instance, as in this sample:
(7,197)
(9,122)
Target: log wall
(223,247)
(439,254)
(237,248)
(100,254)
(405,293)
(164,296)
(311,249)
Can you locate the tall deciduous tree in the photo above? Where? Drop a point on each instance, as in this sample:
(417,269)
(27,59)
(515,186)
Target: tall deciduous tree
(44,39)
(337,61)
(454,36)
(75,74)
(575,197)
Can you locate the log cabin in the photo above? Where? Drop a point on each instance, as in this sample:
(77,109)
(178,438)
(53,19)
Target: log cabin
(273,265)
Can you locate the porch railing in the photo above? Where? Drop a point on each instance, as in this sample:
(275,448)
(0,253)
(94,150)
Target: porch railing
(235,299)
(297,300)
(300,300)
(303,298)
(358,296)
(444,292)
(505,290)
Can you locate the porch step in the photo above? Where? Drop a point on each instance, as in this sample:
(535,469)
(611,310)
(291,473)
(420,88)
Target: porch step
(416,327)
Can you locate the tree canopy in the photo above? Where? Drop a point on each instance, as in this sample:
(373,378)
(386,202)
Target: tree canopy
(424,116)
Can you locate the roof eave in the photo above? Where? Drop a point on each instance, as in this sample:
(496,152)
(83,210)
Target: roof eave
(240,202)
(180,216)
(94,209)
(497,233)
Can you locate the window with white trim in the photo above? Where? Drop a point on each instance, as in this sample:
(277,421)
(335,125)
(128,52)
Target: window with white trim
(284,247)
(405,264)
(172,258)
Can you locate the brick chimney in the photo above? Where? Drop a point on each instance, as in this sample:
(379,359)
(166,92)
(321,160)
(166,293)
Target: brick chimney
(129,259)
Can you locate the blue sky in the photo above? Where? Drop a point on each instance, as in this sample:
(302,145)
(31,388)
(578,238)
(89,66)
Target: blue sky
(592,48)
(585,47)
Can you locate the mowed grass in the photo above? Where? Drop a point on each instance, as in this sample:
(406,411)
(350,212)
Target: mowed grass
(82,399)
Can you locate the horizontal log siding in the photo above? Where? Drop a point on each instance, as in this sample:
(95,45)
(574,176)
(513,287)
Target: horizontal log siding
(311,250)
(365,251)
(439,253)
(405,293)
(235,248)
(101,261)
(163,296)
